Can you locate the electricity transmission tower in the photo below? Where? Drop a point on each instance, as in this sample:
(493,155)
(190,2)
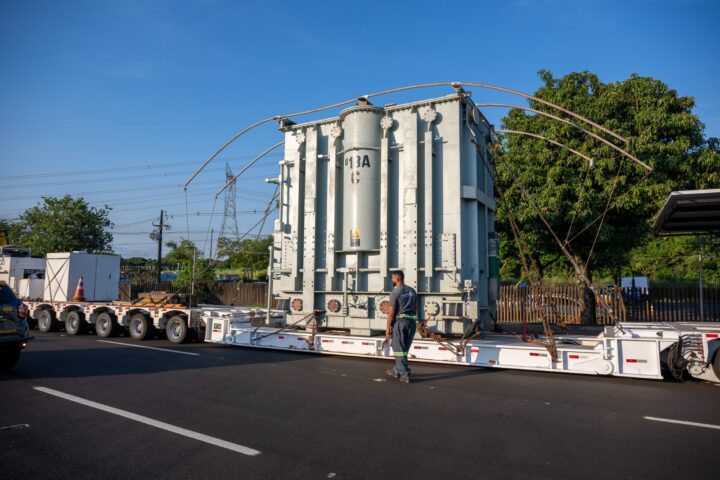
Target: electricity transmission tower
(229,228)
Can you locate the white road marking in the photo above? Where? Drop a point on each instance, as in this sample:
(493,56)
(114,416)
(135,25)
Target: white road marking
(19,425)
(149,348)
(153,423)
(682,422)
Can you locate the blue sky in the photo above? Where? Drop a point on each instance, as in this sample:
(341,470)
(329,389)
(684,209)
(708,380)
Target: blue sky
(134,95)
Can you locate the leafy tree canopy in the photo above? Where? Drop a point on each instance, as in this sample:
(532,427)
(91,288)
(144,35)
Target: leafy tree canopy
(62,225)
(249,255)
(662,131)
(673,259)
(185,254)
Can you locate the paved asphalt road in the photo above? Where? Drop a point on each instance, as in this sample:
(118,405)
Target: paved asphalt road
(320,417)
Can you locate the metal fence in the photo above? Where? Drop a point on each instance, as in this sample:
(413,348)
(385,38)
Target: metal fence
(561,304)
(221,293)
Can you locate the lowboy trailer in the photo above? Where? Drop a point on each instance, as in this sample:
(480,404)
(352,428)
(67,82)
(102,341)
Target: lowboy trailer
(635,350)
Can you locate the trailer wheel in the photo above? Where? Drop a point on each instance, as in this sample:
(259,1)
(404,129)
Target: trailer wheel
(177,329)
(106,326)
(75,323)
(140,327)
(9,356)
(47,321)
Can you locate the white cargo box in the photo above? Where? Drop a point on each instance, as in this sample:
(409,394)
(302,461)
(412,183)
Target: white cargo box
(30,288)
(101,276)
(14,269)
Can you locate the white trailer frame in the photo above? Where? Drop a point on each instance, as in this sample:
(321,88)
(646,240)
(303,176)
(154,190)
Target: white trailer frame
(194,318)
(634,350)
(91,310)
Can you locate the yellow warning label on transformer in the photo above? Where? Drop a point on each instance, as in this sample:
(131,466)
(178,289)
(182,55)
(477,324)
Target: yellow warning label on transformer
(355,237)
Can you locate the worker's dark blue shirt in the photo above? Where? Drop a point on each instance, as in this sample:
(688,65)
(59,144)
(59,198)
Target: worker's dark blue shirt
(404,300)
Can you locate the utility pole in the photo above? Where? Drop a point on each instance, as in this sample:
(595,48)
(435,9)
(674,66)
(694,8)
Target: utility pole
(211,242)
(157,235)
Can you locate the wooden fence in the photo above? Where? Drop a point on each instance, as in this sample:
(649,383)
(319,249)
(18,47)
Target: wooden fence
(222,293)
(561,304)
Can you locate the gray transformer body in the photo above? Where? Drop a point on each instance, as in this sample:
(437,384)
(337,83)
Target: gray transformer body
(376,189)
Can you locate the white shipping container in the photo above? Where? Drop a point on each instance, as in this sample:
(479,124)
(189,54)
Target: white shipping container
(14,269)
(101,276)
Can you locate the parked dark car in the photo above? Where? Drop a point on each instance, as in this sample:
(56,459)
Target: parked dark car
(13,327)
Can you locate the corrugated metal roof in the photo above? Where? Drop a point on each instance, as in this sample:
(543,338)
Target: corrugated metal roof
(690,212)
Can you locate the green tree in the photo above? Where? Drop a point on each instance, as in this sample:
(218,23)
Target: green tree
(249,255)
(673,259)
(662,131)
(9,231)
(185,254)
(65,224)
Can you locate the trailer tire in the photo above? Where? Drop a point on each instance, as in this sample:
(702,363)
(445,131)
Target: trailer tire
(177,329)
(75,323)
(106,325)
(140,327)
(47,322)
(9,356)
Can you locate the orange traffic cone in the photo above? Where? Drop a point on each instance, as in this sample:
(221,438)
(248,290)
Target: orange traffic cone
(79,291)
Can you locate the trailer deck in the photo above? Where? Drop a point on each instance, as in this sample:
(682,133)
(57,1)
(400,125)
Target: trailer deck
(624,350)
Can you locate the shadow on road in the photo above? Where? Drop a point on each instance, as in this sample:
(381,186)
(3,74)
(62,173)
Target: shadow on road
(39,362)
(454,373)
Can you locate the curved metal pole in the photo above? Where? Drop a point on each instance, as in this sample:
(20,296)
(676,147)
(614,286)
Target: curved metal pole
(584,130)
(581,155)
(232,180)
(549,104)
(456,85)
(255,125)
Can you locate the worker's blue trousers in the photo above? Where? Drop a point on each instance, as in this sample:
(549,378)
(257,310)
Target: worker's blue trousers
(402,337)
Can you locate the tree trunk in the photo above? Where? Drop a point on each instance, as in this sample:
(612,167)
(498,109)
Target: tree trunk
(588,308)
(588,313)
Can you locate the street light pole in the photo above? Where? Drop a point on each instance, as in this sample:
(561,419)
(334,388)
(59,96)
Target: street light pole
(700,279)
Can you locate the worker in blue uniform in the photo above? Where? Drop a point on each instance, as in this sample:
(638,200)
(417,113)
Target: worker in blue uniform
(401,325)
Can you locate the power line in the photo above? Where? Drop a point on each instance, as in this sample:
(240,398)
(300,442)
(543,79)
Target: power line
(140,176)
(64,173)
(107,194)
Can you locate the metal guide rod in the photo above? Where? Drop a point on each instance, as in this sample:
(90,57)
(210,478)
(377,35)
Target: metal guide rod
(230,182)
(456,85)
(535,135)
(549,104)
(257,124)
(588,132)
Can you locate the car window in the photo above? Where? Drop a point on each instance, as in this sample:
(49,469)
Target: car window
(7,296)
